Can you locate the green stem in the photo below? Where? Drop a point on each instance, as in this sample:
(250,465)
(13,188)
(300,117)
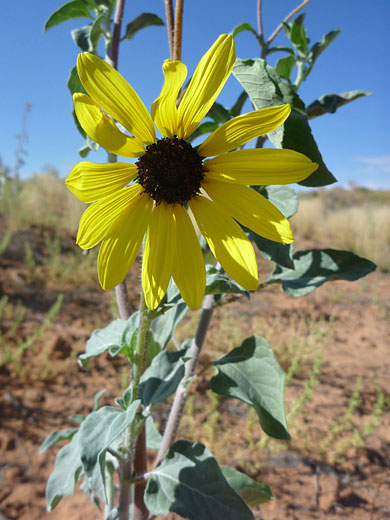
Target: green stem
(142,339)
(133,434)
(110,490)
(300,73)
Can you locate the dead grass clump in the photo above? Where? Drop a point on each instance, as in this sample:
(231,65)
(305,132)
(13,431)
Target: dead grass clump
(362,229)
(44,200)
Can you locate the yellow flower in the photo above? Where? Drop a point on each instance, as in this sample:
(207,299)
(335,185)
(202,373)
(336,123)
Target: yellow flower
(171,179)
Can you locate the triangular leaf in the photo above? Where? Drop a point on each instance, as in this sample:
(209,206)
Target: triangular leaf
(274,251)
(66,473)
(153,436)
(243,27)
(219,283)
(219,113)
(74,85)
(54,437)
(102,340)
(286,200)
(320,46)
(81,37)
(284,66)
(190,483)
(97,398)
(283,197)
(252,374)
(204,128)
(164,326)
(142,21)
(68,11)
(317,266)
(329,103)
(297,35)
(100,429)
(162,377)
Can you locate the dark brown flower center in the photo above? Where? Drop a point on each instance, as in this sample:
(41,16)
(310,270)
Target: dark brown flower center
(170,171)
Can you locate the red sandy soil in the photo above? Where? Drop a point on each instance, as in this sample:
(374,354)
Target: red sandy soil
(307,484)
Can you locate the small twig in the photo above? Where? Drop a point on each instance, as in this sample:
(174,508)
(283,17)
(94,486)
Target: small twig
(259,19)
(114,49)
(122,299)
(288,18)
(114,453)
(170,25)
(260,141)
(179,401)
(178,29)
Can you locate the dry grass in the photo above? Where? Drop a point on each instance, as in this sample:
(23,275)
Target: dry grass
(360,226)
(41,200)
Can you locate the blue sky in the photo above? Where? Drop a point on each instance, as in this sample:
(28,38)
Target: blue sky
(354,142)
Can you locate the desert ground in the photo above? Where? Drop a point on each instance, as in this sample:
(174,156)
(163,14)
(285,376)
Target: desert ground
(333,345)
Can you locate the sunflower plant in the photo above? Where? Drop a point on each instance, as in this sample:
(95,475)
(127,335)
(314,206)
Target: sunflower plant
(191,213)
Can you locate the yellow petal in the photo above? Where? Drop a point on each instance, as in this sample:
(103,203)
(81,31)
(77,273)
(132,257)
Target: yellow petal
(117,254)
(244,128)
(101,216)
(164,111)
(103,130)
(115,96)
(260,166)
(251,209)
(227,241)
(206,83)
(159,251)
(188,268)
(90,181)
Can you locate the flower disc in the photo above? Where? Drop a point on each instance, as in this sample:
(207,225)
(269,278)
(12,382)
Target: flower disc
(170,171)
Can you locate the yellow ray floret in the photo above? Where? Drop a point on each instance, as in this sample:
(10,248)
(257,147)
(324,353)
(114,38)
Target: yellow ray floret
(103,130)
(117,254)
(159,253)
(252,210)
(227,241)
(164,110)
(244,128)
(261,166)
(115,96)
(188,259)
(206,83)
(90,181)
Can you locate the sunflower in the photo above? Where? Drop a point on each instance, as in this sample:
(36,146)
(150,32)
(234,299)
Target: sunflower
(172,185)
